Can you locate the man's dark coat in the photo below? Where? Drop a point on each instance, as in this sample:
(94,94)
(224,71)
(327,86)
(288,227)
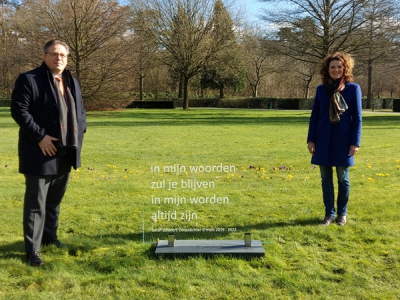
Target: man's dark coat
(34,108)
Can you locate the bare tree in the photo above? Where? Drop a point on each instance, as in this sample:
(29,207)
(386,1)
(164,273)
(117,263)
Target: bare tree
(257,52)
(312,29)
(308,30)
(189,32)
(8,46)
(380,31)
(93,30)
(306,72)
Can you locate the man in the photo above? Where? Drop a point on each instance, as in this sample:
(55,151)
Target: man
(47,105)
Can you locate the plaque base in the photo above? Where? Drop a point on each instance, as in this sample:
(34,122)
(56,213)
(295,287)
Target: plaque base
(209,248)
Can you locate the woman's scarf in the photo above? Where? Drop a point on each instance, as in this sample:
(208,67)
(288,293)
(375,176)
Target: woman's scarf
(337,103)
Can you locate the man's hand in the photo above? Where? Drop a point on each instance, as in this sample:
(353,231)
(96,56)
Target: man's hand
(47,146)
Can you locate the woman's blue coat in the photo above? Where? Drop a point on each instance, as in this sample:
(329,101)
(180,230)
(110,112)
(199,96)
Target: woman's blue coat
(333,141)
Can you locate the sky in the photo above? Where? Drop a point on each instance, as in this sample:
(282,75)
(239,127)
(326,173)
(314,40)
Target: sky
(253,8)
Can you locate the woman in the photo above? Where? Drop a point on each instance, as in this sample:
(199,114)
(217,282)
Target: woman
(334,132)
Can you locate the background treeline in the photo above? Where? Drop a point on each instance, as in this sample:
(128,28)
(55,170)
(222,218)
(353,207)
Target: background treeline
(198,49)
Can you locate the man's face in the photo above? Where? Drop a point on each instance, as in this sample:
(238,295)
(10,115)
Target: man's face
(56,59)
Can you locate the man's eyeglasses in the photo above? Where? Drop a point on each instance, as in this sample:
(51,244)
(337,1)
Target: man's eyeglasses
(54,55)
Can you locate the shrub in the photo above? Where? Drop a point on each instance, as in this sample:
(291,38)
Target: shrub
(5,102)
(396,105)
(254,103)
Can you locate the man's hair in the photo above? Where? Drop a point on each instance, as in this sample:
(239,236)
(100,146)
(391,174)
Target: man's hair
(54,42)
(348,64)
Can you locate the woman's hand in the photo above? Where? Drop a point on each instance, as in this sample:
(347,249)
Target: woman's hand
(311,147)
(353,150)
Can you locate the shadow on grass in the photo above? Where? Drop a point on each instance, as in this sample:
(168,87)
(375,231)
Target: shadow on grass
(205,117)
(14,250)
(222,117)
(152,237)
(149,239)
(212,117)
(304,222)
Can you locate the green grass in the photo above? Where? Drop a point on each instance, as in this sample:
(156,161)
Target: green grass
(106,215)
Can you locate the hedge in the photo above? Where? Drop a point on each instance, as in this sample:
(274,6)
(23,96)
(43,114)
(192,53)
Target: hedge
(5,102)
(152,104)
(254,103)
(396,105)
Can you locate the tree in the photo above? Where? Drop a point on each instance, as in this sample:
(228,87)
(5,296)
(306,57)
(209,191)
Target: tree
(309,30)
(8,46)
(189,34)
(256,51)
(312,29)
(379,33)
(144,47)
(306,72)
(93,29)
(14,3)
(224,71)
(225,68)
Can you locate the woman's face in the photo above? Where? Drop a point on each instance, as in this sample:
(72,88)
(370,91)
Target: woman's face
(336,69)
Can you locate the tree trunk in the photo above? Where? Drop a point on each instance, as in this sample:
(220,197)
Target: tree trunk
(221,92)
(181,86)
(141,86)
(185,92)
(307,89)
(255,90)
(369,93)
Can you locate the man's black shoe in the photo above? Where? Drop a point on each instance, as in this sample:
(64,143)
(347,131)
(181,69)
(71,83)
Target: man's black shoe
(33,259)
(55,242)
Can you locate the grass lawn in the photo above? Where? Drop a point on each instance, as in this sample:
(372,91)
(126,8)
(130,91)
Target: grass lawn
(249,171)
